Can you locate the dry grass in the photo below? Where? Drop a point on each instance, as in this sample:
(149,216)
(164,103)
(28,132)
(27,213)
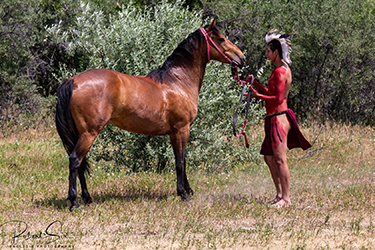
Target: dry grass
(332,193)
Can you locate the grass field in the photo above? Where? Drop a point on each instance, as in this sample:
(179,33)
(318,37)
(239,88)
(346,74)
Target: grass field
(333,200)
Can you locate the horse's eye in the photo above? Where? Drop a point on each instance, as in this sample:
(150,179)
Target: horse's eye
(221,40)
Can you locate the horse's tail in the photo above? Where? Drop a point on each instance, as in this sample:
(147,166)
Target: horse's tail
(65,124)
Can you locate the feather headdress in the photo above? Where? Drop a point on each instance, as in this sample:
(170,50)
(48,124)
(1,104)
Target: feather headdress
(285,43)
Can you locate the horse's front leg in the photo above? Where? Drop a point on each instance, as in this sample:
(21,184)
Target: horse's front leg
(179,141)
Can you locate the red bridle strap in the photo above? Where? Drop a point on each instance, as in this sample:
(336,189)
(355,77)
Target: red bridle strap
(235,77)
(208,38)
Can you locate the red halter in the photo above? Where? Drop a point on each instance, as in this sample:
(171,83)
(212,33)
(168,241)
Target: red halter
(208,38)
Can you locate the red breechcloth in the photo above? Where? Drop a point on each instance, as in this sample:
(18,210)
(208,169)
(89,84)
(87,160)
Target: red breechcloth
(295,137)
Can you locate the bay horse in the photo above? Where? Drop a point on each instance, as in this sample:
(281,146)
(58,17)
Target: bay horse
(163,102)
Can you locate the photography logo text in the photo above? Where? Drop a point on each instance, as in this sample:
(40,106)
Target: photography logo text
(17,234)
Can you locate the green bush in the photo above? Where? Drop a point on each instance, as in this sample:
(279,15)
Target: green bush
(333,51)
(28,60)
(333,64)
(136,41)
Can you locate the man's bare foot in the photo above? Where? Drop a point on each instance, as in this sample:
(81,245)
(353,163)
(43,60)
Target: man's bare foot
(281,203)
(277,199)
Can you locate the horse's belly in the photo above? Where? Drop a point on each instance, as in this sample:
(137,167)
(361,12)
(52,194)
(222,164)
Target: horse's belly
(142,125)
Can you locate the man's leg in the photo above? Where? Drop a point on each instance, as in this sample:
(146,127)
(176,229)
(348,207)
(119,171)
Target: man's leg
(279,145)
(275,177)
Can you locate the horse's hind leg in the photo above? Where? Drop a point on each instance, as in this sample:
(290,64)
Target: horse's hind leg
(83,145)
(82,179)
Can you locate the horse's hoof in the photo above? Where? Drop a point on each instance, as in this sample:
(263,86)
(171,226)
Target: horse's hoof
(184,197)
(190,192)
(87,200)
(75,208)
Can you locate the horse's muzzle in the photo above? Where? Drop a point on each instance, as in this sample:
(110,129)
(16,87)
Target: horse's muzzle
(239,61)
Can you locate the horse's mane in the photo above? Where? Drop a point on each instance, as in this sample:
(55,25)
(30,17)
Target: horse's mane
(182,56)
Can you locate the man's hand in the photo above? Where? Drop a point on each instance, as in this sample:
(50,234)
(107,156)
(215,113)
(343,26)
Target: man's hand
(253,93)
(249,78)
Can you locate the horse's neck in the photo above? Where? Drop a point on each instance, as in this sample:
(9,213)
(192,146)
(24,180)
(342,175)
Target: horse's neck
(192,77)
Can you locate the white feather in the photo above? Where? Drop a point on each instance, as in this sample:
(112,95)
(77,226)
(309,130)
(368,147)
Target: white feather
(273,34)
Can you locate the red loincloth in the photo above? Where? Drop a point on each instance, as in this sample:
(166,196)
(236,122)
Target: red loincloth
(295,137)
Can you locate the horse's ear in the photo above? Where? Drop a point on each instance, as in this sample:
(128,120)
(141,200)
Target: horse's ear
(212,25)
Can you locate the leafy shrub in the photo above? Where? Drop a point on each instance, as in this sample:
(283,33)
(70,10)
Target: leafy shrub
(135,42)
(28,60)
(333,51)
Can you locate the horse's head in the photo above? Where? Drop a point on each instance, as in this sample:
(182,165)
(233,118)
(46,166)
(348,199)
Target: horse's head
(220,48)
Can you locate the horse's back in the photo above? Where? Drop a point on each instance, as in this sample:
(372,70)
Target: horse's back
(109,83)
(95,79)
(134,103)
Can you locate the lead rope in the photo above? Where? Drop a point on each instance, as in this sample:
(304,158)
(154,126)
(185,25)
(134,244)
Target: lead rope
(243,132)
(235,77)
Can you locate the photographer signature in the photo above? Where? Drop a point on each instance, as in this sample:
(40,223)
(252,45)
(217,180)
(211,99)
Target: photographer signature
(18,230)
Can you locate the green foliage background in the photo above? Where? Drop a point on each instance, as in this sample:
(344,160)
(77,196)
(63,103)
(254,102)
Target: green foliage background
(42,42)
(136,41)
(333,51)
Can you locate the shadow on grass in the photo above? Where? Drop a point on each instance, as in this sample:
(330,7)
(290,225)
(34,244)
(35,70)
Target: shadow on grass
(132,195)
(110,196)
(57,203)
(237,198)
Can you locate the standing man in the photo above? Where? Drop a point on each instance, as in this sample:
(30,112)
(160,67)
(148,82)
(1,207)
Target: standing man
(281,128)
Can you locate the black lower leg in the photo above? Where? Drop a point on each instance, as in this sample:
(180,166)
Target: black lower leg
(72,195)
(182,183)
(73,171)
(85,193)
(81,174)
(179,143)
(186,182)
